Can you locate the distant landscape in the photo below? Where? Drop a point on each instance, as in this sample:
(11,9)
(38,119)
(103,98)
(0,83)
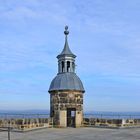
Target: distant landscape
(98,114)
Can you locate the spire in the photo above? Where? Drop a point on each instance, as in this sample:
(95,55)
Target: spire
(66,49)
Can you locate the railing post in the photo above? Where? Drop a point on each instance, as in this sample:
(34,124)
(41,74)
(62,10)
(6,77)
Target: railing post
(8,133)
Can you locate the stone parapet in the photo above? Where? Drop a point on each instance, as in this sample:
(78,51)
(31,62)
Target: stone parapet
(121,123)
(26,124)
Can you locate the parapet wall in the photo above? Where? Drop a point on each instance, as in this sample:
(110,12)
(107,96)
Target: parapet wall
(26,124)
(122,123)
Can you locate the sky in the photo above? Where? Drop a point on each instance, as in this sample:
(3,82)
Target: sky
(104,34)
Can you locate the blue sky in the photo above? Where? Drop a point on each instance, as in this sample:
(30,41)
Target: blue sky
(104,34)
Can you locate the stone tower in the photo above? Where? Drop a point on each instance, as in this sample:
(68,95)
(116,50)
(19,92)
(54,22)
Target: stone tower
(66,91)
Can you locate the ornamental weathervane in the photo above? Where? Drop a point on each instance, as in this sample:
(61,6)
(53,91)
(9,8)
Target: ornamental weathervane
(66,32)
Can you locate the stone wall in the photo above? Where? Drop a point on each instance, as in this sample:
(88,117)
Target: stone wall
(26,124)
(66,99)
(36,123)
(111,122)
(60,101)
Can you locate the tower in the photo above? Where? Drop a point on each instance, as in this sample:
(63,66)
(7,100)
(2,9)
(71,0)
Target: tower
(66,91)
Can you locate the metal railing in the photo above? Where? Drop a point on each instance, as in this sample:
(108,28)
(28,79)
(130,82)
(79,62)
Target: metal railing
(8,129)
(21,121)
(25,121)
(96,115)
(112,116)
(22,116)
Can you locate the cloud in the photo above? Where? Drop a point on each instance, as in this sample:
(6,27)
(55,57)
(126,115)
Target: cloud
(103,34)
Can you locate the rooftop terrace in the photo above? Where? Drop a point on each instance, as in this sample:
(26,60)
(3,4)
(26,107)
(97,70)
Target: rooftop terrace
(75,134)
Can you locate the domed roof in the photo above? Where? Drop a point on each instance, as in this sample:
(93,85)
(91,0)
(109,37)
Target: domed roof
(66,81)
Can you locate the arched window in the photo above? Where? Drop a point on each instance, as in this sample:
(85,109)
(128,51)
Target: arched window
(73,66)
(62,66)
(68,66)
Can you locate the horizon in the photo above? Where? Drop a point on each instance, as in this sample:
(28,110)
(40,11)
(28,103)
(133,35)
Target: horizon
(104,35)
(43,111)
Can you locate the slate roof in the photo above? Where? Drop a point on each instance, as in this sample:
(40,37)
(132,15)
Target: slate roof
(66,50)
(66,81)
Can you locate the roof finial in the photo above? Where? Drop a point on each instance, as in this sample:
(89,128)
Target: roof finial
(66,32)
(66,50)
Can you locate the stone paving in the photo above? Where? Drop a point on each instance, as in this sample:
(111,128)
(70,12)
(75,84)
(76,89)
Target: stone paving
(75,134)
